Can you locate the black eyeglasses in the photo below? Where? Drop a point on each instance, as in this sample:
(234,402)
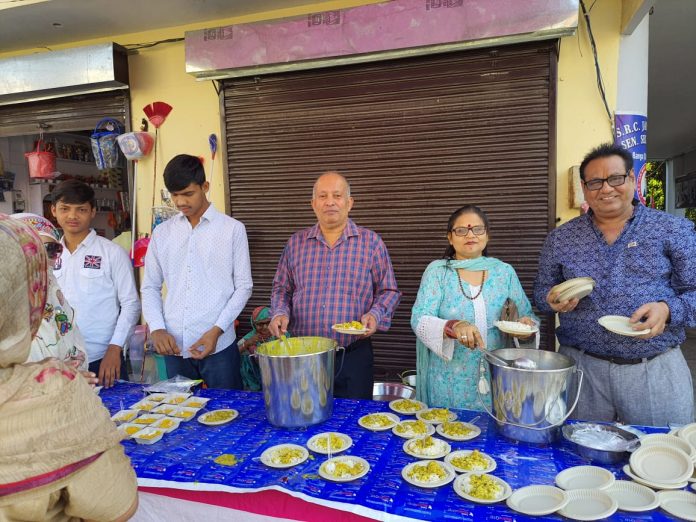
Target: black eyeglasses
(615,180)
(478,230)
(53,250)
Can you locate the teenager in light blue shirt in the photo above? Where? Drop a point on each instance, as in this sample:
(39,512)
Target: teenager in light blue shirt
(202,256)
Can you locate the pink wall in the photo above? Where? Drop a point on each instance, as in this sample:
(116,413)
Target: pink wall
(398,24)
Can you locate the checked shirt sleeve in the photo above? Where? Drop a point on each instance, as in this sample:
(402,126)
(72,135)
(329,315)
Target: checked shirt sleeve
(283,285)
(387,295)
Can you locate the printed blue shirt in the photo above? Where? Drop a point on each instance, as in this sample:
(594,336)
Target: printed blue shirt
(654,259)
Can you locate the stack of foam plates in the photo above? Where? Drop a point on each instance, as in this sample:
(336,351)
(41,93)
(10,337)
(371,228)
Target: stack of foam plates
(660,466)
(575,288)
(688,434)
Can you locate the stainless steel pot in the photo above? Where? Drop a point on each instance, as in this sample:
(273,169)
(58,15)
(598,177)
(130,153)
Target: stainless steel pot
(531,404)
(297,377)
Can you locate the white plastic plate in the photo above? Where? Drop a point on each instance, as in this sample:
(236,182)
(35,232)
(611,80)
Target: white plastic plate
(345,442)
(405,429)
(632,496)
(589,504)
(575,292)
(326,472)
(444,430)
(407,406)
(537,500)
(455,457)
(226,415)
(654,485)
(436,415)
(681,504)
(434,483)
(439,448)
(662,439)
(277,451)
(570,283)
(620,325)
(461,485)
(349,331)
(389,421)
(584,477)
(661,464)
(515,328)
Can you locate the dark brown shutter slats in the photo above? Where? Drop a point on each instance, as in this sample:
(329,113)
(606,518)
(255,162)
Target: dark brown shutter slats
(417,138)
(69,114)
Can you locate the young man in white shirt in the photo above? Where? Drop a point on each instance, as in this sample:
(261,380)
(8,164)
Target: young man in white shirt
(96,277)
(202,256)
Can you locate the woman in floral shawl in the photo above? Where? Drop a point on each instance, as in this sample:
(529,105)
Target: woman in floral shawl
(60,455)
(58,335)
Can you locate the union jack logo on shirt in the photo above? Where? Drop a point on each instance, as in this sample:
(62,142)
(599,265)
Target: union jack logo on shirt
(92,262)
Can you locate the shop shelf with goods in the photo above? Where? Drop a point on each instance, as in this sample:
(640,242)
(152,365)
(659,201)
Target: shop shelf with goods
(74,160)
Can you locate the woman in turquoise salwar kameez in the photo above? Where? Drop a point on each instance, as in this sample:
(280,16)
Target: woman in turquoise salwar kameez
(459,300)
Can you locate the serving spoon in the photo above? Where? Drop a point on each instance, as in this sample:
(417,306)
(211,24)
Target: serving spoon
(524,363)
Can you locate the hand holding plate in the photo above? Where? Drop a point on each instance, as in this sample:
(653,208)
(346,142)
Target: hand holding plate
(653,316)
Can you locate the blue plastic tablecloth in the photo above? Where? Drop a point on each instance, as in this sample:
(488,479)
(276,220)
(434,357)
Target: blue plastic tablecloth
(185,456)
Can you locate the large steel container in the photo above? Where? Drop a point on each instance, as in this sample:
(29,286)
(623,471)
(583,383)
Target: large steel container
(531,405)
(297,376)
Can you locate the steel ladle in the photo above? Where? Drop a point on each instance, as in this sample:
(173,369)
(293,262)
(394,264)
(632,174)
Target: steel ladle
(524,363)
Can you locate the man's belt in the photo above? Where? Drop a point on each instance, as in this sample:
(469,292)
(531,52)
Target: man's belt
(621,360)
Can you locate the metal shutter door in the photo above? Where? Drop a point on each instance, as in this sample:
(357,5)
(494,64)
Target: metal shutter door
(416,138)
(69,114)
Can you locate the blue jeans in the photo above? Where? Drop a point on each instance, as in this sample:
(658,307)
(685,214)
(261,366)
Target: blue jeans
(218,370)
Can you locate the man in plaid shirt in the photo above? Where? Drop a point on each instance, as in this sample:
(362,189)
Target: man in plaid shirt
(336,272)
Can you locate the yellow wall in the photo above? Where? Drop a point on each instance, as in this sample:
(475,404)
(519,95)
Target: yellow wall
(158,74)
(582,121)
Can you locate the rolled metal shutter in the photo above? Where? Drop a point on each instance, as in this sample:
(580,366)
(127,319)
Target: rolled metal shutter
(416,138)
(69,114)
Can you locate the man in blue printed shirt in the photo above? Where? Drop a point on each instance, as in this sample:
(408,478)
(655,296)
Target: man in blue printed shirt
(644,263)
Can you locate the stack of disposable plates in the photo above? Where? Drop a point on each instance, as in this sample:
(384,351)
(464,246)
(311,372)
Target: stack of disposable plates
(660,466)
(575,288)
(688,434)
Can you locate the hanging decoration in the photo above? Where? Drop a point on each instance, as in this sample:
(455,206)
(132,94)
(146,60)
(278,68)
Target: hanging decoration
(157,113)
(135,145)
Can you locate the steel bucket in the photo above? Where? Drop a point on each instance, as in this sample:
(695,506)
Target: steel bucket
(297,376)
(532,405)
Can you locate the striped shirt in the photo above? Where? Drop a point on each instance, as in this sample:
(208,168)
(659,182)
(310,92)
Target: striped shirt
(317,286)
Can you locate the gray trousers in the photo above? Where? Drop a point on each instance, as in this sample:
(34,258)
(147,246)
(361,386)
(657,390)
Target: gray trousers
(657,392)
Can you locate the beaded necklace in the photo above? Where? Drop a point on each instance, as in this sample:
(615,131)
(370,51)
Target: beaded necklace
(461,286)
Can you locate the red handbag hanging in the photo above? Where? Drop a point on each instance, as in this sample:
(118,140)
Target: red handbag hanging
(42,164)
